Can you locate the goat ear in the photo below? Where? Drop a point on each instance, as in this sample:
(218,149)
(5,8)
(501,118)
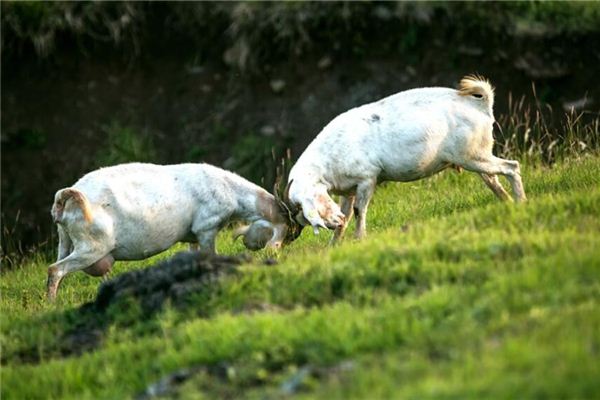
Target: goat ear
(286,193)
(301,219)
(281,174)
(282,194)
(242,230)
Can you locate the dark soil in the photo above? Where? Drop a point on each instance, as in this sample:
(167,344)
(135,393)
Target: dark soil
(172,280)
(145,291)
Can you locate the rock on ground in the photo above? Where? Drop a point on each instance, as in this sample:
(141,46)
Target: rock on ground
(172,279)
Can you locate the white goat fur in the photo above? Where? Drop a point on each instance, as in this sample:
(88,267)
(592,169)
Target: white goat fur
(404,137)
(133,211)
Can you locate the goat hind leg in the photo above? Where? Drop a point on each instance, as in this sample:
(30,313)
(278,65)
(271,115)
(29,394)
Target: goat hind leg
(64,243)
(493,183)
(79,259)
(497,166)
(515,179)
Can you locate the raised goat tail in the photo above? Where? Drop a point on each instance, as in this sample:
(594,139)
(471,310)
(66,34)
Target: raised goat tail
(478,87)
(77,197)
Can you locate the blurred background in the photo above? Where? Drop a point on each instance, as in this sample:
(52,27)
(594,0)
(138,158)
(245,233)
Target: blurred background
(90,84)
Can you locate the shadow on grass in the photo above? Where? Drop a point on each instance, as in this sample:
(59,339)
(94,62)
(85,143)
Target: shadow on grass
(130,298)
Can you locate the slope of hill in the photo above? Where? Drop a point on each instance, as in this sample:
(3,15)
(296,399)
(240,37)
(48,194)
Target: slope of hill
(452,294)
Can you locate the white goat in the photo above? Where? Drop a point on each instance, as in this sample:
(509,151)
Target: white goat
(133,211)
(407,136)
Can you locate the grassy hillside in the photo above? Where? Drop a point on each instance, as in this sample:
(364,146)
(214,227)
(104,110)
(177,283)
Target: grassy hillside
(452,295)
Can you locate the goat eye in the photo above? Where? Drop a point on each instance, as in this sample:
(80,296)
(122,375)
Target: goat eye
(477,95)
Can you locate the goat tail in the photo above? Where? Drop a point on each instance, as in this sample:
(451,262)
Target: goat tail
(476,86)
(64,195)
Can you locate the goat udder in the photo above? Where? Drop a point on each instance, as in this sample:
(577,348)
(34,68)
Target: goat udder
(101,267)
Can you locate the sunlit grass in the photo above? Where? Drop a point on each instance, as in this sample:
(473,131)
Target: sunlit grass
(452,294)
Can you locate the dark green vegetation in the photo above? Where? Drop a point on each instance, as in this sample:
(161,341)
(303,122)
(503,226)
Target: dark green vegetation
(261,32)
(453,294)
(88,84)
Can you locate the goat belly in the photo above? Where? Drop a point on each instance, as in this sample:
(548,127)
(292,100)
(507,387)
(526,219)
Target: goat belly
(142,240)
(409,173)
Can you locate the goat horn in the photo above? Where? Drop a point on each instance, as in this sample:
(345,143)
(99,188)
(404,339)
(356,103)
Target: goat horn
(286,193)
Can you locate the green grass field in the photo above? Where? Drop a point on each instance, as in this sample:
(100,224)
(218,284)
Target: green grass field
(452,295)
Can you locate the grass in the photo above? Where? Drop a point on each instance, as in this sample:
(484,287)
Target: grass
(452,295)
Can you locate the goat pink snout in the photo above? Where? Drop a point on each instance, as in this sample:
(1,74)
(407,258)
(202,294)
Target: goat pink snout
(335,220)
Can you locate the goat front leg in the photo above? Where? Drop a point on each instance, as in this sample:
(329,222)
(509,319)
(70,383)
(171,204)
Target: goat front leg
(497,166)
(364,192)
(206,228)
(207,241)
(493,183)
(347,207)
